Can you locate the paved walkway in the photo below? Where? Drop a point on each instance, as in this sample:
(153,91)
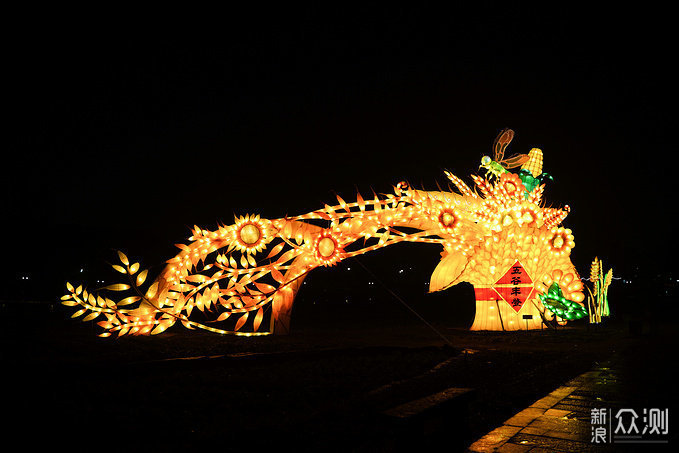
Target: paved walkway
(561,421)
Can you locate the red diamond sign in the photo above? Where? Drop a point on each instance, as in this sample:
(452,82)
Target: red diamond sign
(515,287)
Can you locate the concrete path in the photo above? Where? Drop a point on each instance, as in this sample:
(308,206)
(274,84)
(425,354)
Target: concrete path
(561,421)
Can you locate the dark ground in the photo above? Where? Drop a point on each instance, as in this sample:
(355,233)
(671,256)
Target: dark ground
(321,388)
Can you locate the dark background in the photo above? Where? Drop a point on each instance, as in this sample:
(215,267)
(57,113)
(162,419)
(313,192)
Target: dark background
(125,139)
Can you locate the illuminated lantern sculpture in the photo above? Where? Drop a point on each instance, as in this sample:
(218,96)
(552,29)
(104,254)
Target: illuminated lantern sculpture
(244,277)
(598,297)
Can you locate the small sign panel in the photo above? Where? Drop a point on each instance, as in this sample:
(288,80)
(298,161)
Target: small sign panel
(515,286)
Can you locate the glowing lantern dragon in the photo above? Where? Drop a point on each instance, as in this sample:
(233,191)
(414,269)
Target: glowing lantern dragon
(244,277)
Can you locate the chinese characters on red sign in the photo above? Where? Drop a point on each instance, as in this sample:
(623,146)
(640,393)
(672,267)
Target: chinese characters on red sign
(515,287)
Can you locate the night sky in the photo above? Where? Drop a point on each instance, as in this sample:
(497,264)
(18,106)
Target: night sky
(125,140)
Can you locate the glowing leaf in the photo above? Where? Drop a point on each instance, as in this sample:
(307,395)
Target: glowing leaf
(100,301)
(123,258)
(91,316)
(251,260)
(79,289)
(198,278)
(223,316)
(78,313)
(249,301)
(129,300)
(105,334)
(243,261)
(69,303)
(141,278)
(117,287)
(232,300)
(258,318)
(378,205)
(343,204)
(360,202)
(214,292)
(199,302)
(287,230)
(153,289)
(119,268)
(66,297)
(232,262)
(307,236)
(277,275)
(263,287)
(134,268)
(323,215)
(179,304)
(247,278)
(161,327)
(287,256)
(70,287)
(241,321)
(145,330)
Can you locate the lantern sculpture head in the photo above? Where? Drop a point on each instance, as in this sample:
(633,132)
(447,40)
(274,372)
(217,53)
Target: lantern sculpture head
(498,237)
(514,241)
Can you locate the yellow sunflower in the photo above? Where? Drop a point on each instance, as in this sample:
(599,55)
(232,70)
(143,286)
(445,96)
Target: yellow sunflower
(327,249)
(251,234)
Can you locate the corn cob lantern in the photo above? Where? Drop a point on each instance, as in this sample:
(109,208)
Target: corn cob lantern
(534,162)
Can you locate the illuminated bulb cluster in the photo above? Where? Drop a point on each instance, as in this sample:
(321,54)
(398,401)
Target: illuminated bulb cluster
(570,285)
(562,241)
